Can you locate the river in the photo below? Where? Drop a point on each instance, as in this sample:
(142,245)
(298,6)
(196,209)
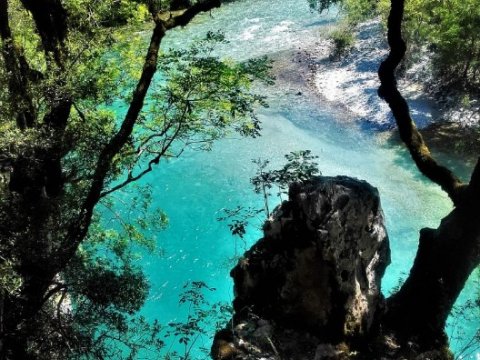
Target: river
(193,189)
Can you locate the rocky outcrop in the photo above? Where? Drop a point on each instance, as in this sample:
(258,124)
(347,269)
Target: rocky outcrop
(310,289)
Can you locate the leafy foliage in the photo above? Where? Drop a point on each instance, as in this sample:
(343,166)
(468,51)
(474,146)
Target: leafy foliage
(70,285)
(300,166)
(202,318)
(343,40)
(451,28)
(322,5)
(355,10)
(359,10)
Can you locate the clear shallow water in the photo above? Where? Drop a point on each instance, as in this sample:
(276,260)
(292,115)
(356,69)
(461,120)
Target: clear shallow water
(192,190)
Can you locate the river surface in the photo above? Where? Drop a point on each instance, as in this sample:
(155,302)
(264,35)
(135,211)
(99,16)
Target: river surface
(193,189)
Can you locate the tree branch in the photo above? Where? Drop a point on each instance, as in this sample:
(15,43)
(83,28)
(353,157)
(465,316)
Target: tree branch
(167,143)
(52,292)
(182,18)
(409,133)
(79,228)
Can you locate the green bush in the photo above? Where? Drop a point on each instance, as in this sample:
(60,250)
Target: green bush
(451,31)
(359,10)
(343,40)
(354,10)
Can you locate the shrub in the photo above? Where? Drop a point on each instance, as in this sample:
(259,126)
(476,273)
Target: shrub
(359,10)
(343,40)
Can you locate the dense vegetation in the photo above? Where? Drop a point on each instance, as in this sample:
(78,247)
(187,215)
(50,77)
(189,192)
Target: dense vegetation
(450,29)
(69,283)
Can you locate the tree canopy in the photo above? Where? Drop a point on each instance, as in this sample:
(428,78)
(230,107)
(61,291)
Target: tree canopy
(91,105)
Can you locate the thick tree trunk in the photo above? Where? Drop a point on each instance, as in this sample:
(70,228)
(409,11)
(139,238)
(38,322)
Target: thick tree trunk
(445,259)
(447,256)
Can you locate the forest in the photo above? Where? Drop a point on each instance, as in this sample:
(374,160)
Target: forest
(152,149)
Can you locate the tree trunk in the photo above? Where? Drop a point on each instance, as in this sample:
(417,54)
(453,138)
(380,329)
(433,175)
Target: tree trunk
(446,256)
(445,259)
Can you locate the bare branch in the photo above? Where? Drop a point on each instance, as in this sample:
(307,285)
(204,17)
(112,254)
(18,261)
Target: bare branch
(79,112)
(60,311)
(53,291)
(409,133)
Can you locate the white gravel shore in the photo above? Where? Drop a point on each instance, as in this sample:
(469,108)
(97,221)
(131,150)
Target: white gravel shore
(353,81)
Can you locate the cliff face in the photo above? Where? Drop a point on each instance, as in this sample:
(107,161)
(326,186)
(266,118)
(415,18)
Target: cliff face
(314,279)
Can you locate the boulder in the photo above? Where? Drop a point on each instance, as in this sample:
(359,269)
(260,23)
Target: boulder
(314,279)
(321,262)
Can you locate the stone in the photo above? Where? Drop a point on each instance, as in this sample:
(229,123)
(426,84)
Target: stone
(321,261)
(312,284)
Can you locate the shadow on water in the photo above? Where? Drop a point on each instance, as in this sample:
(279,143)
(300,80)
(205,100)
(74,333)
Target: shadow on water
(401,156)
(455,146)
(368,126)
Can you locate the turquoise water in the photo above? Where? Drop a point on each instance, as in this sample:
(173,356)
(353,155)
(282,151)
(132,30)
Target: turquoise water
(193,189)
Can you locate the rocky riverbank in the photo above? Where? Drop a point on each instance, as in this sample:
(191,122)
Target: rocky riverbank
(349,85)
(353,80)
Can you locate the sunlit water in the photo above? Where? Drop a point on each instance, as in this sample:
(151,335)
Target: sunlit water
(194,188)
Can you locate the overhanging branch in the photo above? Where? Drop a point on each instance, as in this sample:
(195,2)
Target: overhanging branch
(79,228)
(167,143)
(409,133)
(182,18)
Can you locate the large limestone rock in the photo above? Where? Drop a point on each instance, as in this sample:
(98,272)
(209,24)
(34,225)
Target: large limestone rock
(315,277)
(321,261)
